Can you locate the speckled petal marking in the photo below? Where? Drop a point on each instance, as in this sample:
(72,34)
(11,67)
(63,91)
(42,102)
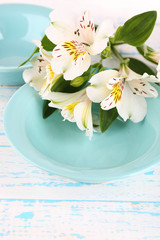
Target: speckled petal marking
(75,49)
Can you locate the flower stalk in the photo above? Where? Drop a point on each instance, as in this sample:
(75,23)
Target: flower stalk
(117,54)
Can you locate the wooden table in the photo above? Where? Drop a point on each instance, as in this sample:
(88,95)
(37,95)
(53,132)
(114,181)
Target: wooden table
(37,205)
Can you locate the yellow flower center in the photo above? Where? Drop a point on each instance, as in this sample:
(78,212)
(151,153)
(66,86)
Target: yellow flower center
(50,73)
(74,48)
(71,107)
(116,92)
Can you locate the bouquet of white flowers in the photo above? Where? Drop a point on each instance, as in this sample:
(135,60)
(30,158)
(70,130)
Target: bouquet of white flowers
(67,80)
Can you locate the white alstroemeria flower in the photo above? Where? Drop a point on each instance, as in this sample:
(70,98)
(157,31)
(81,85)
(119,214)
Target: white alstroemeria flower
(75,107)
(158,70)
(76,41)
(125,90)
(40,76)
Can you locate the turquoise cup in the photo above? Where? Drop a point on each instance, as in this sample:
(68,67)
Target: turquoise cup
(19,25)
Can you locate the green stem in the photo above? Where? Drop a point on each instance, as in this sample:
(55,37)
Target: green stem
(117,54)
(117,43)
(92,73)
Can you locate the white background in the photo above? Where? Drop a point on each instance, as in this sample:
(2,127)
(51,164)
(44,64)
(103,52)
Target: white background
(100,8)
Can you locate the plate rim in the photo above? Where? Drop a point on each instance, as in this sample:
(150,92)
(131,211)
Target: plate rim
(72,170)
(8,69)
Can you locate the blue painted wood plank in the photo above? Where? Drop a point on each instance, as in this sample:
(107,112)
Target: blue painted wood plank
(79,219)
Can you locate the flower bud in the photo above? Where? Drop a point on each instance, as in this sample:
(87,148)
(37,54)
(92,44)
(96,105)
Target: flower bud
(78,81)
(149,53)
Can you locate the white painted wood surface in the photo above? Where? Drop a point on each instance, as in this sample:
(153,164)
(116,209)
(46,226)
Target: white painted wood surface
(37,205)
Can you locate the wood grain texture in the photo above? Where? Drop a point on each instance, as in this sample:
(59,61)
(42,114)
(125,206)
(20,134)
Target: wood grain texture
(71,220)
(19,175)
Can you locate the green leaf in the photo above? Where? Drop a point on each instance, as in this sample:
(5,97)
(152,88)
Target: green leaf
(117,35)
(47,45)
(106,53)
(59,85)
(36,50)
(107,117)
(47,111)
(137,29)
(139,67)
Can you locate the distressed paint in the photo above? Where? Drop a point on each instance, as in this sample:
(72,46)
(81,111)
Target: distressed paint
(79,219)
(19,175)
(23,176)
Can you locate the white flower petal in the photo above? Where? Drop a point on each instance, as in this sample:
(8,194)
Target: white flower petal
(131,75)
(104,31)
(158,70)
(115,96)
(63,26)
(97,93)
(142,88)
(57,33)
(61,100)
(37,42)
(112,82)
(98,46)
(86,28)
(98,90)
(68,17)
(39,61)
(105,28)
(83,117)
(61,59)
(36,75)
(67,115)
(71,59)
(103,77)
(45,55)
(36,80)
(131,106)
(150,78)
(108,103)
(68,112)
(51,78)
(78,68)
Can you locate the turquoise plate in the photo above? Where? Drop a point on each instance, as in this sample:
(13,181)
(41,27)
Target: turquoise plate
(19,25)
(61,148)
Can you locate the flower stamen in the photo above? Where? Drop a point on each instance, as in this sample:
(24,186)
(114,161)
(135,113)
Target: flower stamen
(50,73)
(117,92)
(74,48)
(71,107)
